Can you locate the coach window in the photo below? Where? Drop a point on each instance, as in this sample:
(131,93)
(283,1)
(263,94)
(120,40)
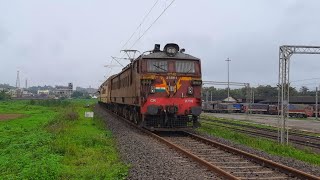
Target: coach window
(185,67)
(157,66)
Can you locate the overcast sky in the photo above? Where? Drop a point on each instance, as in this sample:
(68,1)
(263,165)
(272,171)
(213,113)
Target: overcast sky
(61,41)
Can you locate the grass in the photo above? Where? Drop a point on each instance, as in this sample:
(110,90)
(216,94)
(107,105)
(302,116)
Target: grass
(54,140)
(263,144)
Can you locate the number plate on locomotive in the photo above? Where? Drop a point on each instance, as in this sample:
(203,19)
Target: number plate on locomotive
(171,77)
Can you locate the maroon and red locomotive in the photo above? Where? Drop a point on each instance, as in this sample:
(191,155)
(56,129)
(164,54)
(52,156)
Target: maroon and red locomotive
(160,90)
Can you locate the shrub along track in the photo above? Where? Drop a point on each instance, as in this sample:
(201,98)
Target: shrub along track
(227,161)
(295,137)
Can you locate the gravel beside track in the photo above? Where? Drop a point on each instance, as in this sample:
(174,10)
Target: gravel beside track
(150,159)
(312,169)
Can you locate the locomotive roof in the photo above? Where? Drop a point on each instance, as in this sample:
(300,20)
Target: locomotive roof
(163,55)
(158,55)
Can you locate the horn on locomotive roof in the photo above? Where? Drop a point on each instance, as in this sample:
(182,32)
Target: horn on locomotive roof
(156,48)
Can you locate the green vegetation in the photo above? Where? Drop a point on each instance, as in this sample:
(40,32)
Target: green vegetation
(54,140)
(261,91)
(4,95)
(80,94)
(263,144)
(50,103)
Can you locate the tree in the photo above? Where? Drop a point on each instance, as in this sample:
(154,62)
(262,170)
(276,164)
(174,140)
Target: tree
(4,96)
(266,91)
(304,90)
(77,94)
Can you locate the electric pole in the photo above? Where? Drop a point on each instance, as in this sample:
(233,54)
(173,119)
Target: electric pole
(316,103)
(228,60)
(252,94)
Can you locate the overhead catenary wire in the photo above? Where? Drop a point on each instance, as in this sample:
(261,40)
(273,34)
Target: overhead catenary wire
(145,30)
(305,80)
(139,26)
(152,24)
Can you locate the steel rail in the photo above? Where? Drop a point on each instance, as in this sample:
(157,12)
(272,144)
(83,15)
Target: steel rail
(208,165)
(214,168)
(257,159)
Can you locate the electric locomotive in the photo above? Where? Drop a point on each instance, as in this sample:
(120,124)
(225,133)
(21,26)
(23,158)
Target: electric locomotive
(159,90)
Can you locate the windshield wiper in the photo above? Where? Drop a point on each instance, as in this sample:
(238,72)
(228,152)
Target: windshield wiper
(159,67)
(189,70)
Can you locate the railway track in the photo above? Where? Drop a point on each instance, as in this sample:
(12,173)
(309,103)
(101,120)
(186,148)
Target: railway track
(294,137)
(230,162)
(226,161)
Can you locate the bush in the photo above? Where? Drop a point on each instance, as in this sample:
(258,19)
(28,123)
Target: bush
(4,96)
(60,121)
(49,102)
(71,114)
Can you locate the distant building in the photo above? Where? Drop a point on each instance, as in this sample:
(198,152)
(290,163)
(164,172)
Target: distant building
(94,97)
(43,92)
(26,93)
(64,91)
(15,93)
(229,100)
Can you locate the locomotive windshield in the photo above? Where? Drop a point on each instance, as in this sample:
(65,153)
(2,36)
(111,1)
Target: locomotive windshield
(185,67)
(179,66)
(157,66)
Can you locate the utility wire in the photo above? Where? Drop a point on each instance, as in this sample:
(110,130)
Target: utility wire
(144,18)
(138,27)
(148,27)
(305,79)
(152,23)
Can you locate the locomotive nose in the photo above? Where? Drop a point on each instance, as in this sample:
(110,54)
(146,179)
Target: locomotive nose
(154,109)
(196,110)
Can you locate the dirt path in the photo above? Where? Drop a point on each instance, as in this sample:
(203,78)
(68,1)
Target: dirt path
(4,117)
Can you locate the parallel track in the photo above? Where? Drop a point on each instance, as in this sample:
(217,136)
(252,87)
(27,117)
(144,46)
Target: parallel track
(294,137)
(224,160)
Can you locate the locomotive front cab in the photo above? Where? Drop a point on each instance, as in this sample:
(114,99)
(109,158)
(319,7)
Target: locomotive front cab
(170,88)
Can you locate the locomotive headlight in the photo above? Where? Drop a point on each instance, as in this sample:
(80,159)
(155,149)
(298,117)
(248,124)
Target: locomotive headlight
(152,89)
(190,90)
(171,49)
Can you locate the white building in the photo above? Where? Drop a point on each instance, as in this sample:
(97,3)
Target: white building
(43,92)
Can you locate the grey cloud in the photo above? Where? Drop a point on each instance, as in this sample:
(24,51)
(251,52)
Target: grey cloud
(60,41)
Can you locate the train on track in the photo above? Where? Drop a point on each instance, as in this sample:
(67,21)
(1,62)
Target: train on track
(159,90)
(295,110)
